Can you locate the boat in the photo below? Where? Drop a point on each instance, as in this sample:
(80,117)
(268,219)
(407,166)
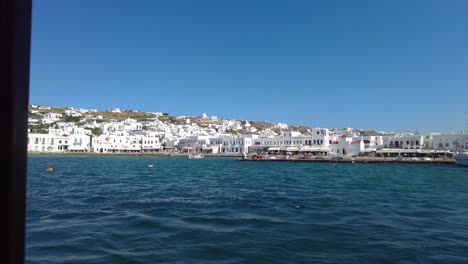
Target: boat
(196,156)
(461,158)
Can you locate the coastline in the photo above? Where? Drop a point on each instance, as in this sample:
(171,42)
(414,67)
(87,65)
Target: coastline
(240,158)
(155,154)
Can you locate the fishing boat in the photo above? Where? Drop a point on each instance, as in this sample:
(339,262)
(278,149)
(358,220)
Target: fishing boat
(461,158)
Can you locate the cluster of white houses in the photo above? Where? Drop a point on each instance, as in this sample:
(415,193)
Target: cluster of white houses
(129,137)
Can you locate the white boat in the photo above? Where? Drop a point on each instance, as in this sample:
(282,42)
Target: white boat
(196,156)
(461,158)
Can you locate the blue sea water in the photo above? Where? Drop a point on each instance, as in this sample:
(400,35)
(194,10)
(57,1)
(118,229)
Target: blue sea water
(220,210)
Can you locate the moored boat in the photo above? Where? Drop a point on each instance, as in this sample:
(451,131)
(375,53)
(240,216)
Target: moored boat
(196,156)
(461,158)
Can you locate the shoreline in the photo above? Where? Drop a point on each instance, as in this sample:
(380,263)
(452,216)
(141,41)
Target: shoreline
(156,154)
(240,158)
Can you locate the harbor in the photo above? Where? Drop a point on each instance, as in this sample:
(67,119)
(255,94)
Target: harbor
(221,203)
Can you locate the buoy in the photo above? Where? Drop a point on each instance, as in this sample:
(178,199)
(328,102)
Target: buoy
(151,165)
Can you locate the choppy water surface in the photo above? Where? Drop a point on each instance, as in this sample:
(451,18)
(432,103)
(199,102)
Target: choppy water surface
(219,210)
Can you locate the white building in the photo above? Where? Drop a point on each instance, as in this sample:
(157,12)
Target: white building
(406,141)
(150,144)
(237,144)
(79,143)
(347,145)
(72,113)
(50,118)
(47,143)
(193,143)
(447,142)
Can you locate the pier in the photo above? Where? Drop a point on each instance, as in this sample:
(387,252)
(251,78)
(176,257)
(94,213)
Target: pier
(355,160)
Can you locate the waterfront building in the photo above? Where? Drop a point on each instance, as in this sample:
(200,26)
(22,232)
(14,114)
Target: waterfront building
(150,144)
(215,146)
(293,142)
(100,144)
(55,143)
(193,143)
(238,144)
(452,142)
(347,145)
(406,141)
(79,143)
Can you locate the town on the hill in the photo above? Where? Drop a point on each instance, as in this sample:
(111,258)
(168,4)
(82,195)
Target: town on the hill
(66,129)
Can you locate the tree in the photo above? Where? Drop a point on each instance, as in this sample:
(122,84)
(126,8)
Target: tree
(72,119)
(96,131)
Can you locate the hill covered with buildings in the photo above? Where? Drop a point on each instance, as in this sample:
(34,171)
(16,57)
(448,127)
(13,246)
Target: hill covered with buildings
(67,129)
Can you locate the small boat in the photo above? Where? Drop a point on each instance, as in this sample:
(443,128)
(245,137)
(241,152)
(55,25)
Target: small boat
(461,158)
(196,156)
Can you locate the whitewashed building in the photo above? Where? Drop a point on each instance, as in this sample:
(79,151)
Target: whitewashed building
(47,143)
(150,144)
(238,144)
(79,143)
(448,142)
(347,145)
(407,141)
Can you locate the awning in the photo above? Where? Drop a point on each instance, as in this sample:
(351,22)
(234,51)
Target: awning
(292,149)
(273,149)
(309,148)
(398,151)
(369,150)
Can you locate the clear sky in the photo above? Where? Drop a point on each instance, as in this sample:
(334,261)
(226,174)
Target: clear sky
(385,65)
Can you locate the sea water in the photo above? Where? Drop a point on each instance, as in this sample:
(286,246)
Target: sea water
(219,210)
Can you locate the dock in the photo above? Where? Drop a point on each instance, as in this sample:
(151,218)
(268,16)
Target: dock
(355,160)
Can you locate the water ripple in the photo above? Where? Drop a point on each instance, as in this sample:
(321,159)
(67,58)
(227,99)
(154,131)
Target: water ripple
(218,210)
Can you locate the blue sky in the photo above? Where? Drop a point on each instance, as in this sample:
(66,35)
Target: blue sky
(386,65)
